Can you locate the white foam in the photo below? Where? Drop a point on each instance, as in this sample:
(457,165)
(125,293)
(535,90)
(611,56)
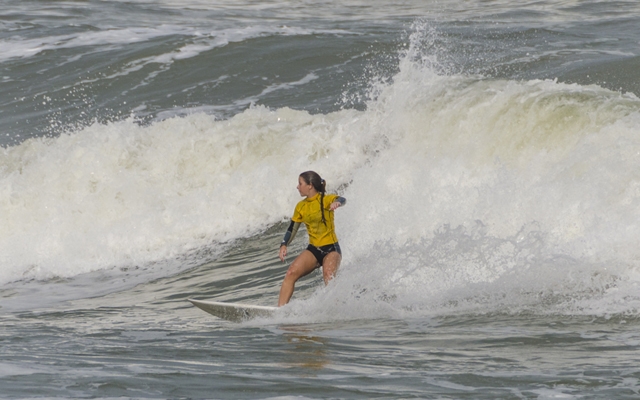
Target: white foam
(492,196)
(464,193)
(109,38)
(120,194)
(19,47)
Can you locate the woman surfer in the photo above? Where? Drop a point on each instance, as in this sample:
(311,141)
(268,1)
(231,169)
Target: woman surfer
(316,212)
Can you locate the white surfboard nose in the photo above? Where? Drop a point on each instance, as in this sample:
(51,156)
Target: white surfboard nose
(233,311)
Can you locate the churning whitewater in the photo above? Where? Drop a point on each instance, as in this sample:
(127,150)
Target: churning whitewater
(535,173)
(489,153)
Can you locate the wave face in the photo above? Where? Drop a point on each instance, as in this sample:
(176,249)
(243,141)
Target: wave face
(464,191)
(123,195)
(496,195)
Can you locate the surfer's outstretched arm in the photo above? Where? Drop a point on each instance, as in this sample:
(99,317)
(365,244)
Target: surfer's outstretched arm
(339,202)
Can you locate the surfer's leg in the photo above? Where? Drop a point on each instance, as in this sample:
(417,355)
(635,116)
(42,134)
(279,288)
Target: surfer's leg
(330,266)
(301,266)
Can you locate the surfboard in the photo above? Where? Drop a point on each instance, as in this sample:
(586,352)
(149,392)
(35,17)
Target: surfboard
(233,311)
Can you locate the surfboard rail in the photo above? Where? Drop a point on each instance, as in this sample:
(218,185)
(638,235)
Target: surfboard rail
(233,311)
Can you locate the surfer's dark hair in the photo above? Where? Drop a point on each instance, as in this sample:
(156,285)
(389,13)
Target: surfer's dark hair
(312,178)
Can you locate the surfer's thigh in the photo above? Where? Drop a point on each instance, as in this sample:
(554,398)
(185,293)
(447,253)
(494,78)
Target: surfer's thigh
(302,265)
(330,265)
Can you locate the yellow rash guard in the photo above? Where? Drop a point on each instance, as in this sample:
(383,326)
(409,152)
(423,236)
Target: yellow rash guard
(307,211)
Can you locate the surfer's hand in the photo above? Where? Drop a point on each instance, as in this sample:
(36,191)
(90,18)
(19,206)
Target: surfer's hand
(334,205)
(283,252)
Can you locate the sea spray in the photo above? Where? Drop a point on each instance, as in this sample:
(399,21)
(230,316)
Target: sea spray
(547,170)
(433,153)
(120,195)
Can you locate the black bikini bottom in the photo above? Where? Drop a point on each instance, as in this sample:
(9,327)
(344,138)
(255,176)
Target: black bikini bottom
(321,252)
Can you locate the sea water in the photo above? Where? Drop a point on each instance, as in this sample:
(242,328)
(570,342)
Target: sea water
(489,152)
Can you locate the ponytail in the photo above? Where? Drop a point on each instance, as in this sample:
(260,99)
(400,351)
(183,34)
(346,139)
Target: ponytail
(324,189)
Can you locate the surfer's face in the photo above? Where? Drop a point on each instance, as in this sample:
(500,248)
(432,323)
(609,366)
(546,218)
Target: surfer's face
(304,188)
